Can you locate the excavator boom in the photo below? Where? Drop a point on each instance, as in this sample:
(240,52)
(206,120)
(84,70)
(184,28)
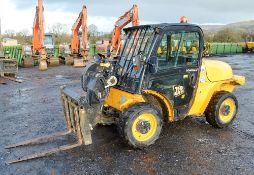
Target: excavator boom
(78,48)
(130,16)
(81,21)
(38,28)
(38,48)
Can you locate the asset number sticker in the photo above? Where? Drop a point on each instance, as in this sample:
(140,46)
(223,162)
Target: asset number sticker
(178,90)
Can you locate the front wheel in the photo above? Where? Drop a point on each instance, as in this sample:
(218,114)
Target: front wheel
(222,110)
(140,125)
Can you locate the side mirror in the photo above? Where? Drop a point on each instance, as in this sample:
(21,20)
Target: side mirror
(153,65)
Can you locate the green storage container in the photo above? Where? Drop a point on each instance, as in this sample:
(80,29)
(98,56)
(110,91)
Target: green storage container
(233,49)
(92,50)
(227,48)
(220,48)
(239,48)
(20,55)
(213,49)
(14,52)
(56,51)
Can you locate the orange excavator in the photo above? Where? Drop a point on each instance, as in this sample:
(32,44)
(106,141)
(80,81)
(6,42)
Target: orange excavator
(37,49)
(130,16)
(38,29)
(79,49)
(45,53)
(38,36)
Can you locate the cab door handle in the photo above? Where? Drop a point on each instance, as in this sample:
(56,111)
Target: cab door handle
(192,80)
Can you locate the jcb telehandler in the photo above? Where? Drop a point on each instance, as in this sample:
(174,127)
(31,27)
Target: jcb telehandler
(160,76)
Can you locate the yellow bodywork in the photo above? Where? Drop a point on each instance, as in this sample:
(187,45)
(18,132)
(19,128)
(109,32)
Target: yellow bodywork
(121,100)
(217,70)
(107,65)
(214,76)
(165,100)
(250,45)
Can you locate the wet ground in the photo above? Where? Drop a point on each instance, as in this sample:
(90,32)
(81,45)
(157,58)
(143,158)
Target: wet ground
(191,146)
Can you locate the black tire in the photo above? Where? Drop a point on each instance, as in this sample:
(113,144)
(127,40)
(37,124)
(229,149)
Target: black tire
(128,118)
(213,113)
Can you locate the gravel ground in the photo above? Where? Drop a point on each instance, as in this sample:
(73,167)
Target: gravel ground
(191,146)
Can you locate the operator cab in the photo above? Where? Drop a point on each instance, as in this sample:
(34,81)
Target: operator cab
(49,44)
(48,40)
(165,58)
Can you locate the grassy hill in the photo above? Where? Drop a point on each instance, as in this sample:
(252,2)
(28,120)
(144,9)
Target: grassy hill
(245,25)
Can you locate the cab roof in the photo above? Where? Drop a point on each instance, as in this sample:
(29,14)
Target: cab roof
(162,26)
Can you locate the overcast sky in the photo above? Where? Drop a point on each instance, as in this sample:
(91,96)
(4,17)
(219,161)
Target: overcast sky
(18,14)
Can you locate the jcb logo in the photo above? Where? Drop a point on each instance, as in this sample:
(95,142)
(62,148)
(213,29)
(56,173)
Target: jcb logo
(178,90)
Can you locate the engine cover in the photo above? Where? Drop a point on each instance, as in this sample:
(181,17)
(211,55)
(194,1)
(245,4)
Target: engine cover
(217,70)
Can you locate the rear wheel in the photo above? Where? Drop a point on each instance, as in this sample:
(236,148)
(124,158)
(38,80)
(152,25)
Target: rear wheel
(140,125)
(222,110)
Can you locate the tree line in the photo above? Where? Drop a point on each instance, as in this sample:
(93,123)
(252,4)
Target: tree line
(229,35)
(62,35)
(60,32)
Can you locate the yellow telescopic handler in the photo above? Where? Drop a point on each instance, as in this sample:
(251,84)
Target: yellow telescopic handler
(160,76)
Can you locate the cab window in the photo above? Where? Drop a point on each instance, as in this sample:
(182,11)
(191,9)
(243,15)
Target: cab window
(178,49)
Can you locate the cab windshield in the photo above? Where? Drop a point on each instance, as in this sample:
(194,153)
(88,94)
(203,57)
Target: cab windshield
(137,44)
(48,40)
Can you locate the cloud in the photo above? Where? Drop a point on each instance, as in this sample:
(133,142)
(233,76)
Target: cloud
(22,19)
(14,19)
(19,14)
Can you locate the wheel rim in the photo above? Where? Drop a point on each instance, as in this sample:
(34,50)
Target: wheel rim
(227,110)
(144,127)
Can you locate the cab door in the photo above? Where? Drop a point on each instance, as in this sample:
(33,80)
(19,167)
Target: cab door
(179,57)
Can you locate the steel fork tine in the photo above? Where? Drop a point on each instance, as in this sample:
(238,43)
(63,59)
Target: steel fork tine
(77,121)
(46,153)
(39,139)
